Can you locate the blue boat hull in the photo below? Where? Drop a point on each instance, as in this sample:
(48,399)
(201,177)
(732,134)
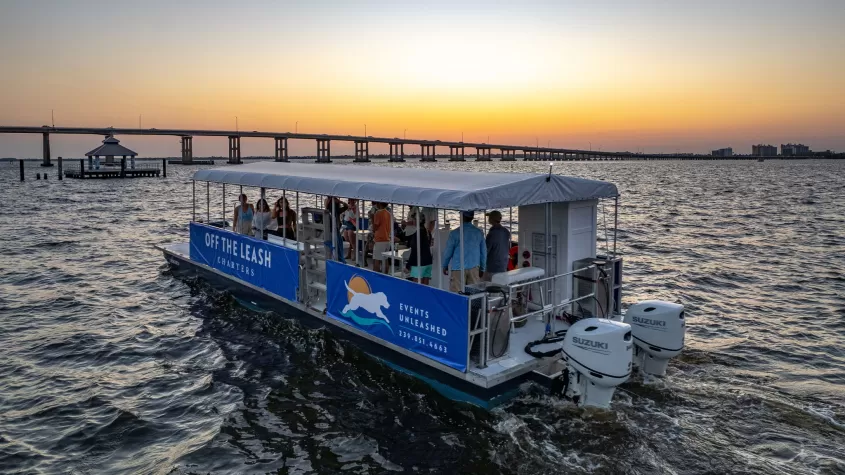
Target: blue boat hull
(449,386)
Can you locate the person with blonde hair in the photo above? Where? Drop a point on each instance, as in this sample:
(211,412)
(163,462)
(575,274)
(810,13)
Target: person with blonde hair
(242,219)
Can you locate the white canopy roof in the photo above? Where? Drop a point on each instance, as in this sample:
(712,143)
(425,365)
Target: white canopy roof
(467,191)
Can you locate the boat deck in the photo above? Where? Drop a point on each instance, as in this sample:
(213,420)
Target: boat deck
(516,355)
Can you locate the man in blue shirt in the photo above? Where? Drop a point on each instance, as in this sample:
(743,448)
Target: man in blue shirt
(475,254)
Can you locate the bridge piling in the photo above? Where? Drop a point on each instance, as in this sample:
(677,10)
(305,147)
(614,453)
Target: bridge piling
(456,153)
(428,153)
(397,152)
(362,151)
(45,149)
(235,149)
(324,154)
(187,149)
(281,154)
(482,154)
(508,155)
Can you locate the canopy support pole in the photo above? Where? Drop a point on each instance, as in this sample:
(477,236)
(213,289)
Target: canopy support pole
(333,230)
(548,264)
(208,202)
(285,207)
(194,200)
(615,222)
(362,259)
(263,224)
(418,223)
(510,225)
(463,270)
(354,244)
(437,247)
(392,240)
(224,206)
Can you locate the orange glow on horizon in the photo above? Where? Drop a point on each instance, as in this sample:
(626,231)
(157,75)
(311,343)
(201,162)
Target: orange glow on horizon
(558,75)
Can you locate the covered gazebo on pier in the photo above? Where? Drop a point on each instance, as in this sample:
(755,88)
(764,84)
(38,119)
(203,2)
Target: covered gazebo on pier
(111,148)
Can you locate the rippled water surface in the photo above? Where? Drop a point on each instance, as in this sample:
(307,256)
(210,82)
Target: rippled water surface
(111,364)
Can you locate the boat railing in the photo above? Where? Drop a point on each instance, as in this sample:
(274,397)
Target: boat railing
(478,340)
(548,288)
(302,291)
(477,322)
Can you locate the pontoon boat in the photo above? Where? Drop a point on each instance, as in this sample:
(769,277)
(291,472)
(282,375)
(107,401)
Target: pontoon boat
(555,318)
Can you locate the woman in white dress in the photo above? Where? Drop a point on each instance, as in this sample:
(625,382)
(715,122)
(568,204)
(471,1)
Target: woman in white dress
(242,220)
(262,221)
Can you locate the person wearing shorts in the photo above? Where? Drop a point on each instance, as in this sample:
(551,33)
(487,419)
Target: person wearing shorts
(419,257)
(381,236)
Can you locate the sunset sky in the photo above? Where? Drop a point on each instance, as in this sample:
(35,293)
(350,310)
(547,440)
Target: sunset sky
(620,75)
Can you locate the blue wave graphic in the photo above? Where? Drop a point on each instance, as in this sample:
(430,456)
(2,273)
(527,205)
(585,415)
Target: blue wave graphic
(365,322)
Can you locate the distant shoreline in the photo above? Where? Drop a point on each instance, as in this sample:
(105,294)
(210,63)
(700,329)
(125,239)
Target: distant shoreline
(445,158)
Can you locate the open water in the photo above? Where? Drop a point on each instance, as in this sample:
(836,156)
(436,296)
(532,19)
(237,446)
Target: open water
(109,364)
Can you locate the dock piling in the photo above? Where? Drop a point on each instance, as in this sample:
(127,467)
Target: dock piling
(164,167)
(37,176)
(123,167)
(21,165)
(60,169)
(82,168)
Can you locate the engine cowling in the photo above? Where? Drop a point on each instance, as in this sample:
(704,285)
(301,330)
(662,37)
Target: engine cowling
(658,329)
(598,356)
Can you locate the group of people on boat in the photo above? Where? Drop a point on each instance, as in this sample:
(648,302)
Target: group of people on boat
(259,220)
(483,255)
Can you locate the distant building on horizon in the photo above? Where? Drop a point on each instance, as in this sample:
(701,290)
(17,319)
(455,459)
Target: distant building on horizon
(723,152)
(795,150)
(764,150)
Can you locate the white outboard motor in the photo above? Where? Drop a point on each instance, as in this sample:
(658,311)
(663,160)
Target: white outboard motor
(598,358)
(659,330)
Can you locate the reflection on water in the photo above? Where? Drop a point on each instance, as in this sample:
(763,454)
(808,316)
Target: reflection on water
(110,364)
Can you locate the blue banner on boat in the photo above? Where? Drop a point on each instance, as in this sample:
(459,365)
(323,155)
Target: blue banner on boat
(422,319)
(272,267)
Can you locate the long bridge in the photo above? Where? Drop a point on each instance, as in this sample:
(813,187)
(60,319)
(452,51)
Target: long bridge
(428,148)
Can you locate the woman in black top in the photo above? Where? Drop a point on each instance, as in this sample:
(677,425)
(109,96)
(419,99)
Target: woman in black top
(420,271)
(285,219)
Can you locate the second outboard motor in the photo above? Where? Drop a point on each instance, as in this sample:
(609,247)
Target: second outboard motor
(598,358)
(659,330)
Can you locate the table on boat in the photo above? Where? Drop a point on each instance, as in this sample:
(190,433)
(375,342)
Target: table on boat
(400,255)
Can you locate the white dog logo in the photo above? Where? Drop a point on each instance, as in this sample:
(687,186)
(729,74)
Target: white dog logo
(369,302)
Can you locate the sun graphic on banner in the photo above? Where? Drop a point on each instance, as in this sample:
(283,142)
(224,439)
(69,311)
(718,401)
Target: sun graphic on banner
(361,298)
(358,285)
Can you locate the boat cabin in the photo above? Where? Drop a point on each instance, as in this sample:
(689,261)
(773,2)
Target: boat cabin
(474,329)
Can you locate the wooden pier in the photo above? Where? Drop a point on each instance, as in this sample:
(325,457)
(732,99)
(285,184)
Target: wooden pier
(144,170)
(137,173)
